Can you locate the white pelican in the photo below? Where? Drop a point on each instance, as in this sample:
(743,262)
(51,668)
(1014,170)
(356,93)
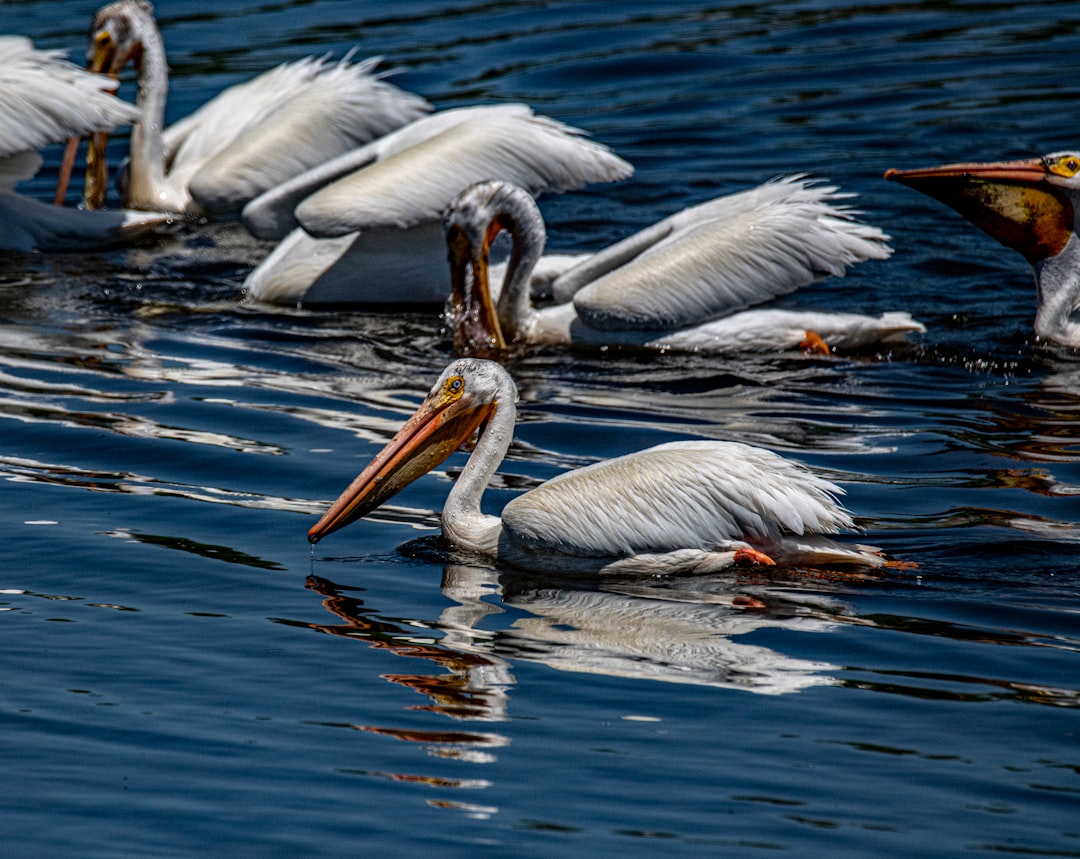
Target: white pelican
(375,235)
(45,99)
(1029,206)
(250,137)
(679,284)
(684,506)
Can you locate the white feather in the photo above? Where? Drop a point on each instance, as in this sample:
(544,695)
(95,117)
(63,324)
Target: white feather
(265,130)
(778,330)
(416,184)
(46,99)
(681,495)
(725,255)
(302,114)
(384,220)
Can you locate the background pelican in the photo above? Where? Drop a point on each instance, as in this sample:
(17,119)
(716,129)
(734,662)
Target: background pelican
(666,286)
(45,99)
(682,506)
(1029,206)
(375,234)
(250,137)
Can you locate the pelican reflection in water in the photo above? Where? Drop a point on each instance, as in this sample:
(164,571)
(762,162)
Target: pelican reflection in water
(692,506)
(616,627)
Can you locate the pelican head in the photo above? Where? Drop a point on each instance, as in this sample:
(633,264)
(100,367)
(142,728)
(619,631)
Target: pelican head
(1029,206)
(462,402)
(472,222)
(118,33)
(1026,205)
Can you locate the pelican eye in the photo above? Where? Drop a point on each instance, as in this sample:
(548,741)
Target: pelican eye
(1066,166)
(454,386)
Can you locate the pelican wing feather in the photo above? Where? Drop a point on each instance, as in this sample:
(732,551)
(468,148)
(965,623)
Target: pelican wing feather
(271,214)
(415,185)
(45,99)
(722,256)
(694,494)
(294,117)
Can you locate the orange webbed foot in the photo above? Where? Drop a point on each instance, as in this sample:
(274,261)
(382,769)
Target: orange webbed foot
(753,556)
(814,344)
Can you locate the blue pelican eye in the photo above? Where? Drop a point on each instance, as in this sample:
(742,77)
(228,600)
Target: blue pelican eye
(455,385)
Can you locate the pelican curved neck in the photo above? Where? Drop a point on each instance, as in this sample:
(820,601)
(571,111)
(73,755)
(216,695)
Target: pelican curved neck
(146,171)
(1057,280)
(527,235)
(463,522)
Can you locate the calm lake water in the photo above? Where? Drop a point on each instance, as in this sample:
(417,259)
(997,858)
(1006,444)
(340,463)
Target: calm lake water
(182,674)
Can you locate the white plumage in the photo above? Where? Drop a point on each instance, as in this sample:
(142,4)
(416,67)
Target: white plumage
(251,137)
(683,506)
(680,495)
(46,99)
(679,284)
(383,219)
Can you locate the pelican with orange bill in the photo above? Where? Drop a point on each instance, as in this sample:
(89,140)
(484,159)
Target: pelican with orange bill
(1028,205)
(681,507)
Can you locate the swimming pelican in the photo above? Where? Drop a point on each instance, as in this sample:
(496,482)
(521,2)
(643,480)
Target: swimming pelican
(1029,206)
(683,506)
(375,234)
(681,284)
(250,137)
(45,99)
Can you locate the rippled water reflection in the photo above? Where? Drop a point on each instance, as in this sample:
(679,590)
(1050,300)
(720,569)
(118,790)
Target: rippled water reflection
(184,674)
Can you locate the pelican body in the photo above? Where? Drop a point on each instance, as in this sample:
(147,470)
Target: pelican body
(249,138)
(1030,206)
(689,282)
(46,99)
(366,228)
(692,506)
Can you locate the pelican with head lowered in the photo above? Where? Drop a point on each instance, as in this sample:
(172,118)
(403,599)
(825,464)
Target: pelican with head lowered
(1030,206)
(249,138)
(690,282)
(693,506)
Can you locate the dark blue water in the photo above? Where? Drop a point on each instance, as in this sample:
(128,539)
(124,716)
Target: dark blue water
(182,675)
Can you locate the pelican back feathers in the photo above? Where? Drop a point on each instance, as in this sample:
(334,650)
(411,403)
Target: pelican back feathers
(310,112)
(723,256)
(681,495)
(416,184)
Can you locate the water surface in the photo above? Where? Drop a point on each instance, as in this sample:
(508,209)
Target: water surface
(183,674)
